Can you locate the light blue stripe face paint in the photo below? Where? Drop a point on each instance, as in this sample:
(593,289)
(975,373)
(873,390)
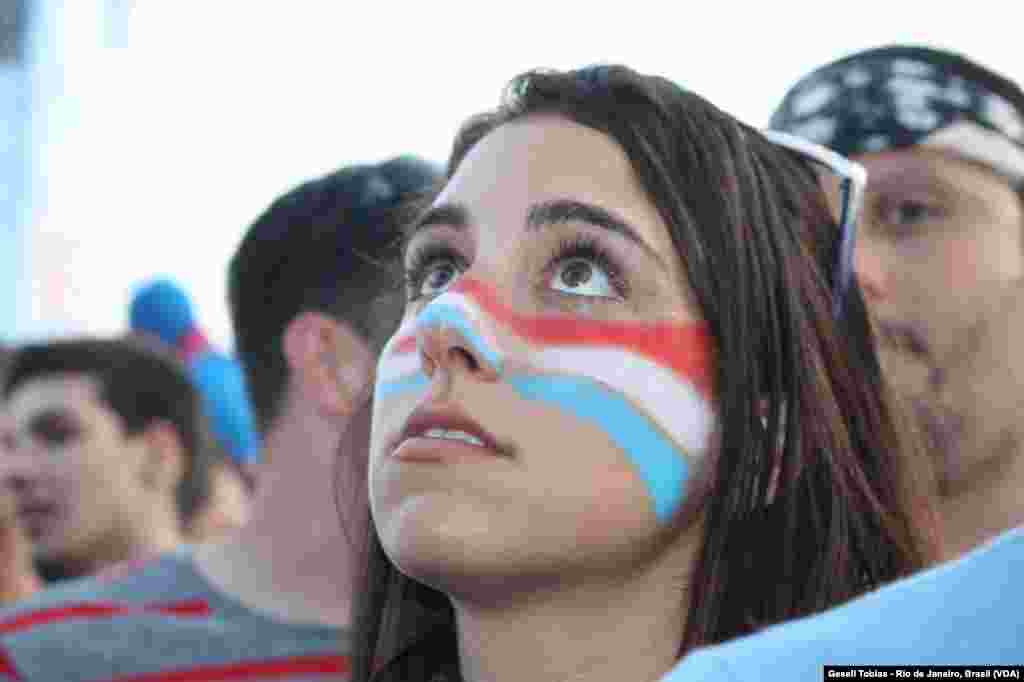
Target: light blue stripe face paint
(660,463)
(441,314)
(411,382)
(662,466)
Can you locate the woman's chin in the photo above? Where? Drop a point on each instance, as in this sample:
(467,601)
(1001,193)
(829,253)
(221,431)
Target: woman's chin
(475,550)
(431,534)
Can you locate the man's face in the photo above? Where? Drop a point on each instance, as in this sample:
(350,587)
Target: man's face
(938,233)
(75,474)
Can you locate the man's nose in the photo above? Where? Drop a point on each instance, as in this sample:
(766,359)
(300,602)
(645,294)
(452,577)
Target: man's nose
(19,463)
(872,275)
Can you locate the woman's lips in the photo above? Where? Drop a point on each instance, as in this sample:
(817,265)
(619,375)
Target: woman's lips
(424,449)
(434,433)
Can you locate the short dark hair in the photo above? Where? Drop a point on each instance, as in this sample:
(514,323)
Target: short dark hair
(141,382)
(329,245)
(5,357)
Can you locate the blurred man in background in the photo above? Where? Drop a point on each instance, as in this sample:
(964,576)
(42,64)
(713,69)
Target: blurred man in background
(940,260)
(942,229)
(965,612)
(314,293)
(104,451)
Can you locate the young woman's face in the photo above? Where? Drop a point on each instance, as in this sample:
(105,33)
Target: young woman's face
(546,403)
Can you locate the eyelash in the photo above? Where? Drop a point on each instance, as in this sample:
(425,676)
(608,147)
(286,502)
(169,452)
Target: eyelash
(578,247)
(585,248)
(422,259)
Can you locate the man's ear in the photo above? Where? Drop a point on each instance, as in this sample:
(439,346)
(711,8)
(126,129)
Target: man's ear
(330,366)
(163,464)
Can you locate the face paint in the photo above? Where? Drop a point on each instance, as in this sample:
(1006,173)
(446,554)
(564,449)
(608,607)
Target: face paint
(453,309)
(399,369)
(646,385)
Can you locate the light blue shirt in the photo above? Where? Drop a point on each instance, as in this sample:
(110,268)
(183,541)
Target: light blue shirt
(966,612)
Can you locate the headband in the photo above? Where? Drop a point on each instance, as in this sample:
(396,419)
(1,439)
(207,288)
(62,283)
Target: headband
(896,98)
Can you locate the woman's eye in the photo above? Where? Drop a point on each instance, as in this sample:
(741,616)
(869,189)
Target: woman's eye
(438,277)
(582,277)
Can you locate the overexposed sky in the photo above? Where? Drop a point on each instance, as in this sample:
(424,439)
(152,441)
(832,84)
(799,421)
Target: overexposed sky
(160,150)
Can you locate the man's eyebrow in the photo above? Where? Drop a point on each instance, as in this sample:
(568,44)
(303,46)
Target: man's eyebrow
(559,211)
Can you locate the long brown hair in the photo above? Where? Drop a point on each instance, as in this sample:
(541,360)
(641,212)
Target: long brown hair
(812,502)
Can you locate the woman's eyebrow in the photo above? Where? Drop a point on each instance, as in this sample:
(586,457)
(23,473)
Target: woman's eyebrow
(454,215)
(560,211)
(544,214)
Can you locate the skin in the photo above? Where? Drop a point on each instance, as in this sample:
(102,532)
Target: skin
(87,494)
(937,233)
(18,578)
(940,236)
(982,383)
(312,456)
(550,543)
(227,509)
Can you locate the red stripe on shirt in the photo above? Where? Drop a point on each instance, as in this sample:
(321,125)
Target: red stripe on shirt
(275,669)
(7,670)
(197,607)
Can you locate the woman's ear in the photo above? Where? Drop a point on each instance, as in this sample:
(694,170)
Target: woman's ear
(330,365)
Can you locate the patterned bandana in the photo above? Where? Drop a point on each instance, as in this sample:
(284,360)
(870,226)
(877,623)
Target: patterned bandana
(897,97)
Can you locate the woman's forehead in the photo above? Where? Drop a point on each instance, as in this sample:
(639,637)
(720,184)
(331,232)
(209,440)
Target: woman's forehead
(548,157)
(544,152)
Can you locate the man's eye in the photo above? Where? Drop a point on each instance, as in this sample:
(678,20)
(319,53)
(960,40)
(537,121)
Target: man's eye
(57,436)
(908,213)
(55,433)
(911,212)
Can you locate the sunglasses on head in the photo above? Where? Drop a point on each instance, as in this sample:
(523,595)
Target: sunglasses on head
(852,181)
